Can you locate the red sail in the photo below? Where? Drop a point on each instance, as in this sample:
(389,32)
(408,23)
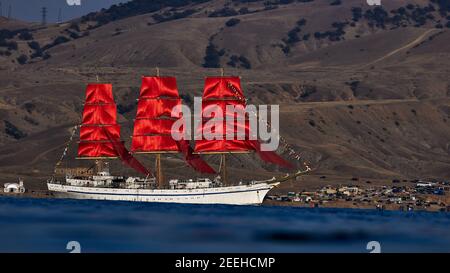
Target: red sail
(158,87)
(97,133)
(223,88)
(155,108)
(102,149)
(153,124)
(99,93)
(144,127)
(99,116)
(220,92)
(222,146)
(157,143)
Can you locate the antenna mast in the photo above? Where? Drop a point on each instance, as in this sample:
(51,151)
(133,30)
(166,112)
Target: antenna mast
(59,16)
(44,16)
(9,12)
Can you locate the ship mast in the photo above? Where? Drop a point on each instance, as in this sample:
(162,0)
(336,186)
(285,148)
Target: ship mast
(98,162)
(99,121)
(99,131)
(222,91)
(223,157)
(223,169)
(153,122)
(158,167)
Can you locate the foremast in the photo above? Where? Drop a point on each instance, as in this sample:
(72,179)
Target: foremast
(99,125)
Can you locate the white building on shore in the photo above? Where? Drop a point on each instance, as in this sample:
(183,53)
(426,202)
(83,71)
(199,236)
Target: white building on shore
(14,187)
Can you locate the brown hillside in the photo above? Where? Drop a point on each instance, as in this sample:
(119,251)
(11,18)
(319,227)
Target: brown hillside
(371,103)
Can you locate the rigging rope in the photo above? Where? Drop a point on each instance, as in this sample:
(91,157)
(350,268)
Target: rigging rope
(66,149)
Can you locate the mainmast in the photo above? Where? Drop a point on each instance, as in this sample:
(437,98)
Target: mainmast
(153,123)
(223,168)
(158,166)
(100,165)
(223,157)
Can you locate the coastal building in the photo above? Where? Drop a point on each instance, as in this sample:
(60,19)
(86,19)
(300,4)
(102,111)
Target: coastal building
(14,187)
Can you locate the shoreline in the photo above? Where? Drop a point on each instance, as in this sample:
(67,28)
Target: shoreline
(44,194)
(343,205)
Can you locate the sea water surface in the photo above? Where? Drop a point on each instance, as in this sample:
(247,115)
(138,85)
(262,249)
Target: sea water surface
(47,225)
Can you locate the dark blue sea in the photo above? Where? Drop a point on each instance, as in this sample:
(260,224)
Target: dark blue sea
(47,225)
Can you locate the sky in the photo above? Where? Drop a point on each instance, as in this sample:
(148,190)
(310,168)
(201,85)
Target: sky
(30,10)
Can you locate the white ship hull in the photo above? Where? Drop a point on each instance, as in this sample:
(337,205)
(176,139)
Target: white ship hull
(233,195)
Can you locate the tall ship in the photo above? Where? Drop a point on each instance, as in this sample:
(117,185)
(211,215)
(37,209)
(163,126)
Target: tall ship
(100,141)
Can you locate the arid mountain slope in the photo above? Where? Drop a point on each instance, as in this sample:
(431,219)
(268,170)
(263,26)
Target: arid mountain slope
(364,92)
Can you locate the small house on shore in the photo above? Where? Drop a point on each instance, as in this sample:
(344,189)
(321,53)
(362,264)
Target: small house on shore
(14,187)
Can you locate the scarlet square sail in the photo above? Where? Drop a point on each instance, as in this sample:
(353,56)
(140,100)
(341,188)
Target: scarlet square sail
(153,123)
(99,123)
(218,93)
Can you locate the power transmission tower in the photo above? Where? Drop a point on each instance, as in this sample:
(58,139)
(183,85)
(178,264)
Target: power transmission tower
(59,16)
(44,16)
